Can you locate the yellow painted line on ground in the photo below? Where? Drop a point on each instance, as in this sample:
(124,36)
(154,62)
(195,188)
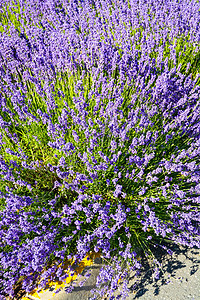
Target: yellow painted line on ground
(61,284)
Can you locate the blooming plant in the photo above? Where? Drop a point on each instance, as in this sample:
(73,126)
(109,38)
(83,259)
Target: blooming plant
(99,136)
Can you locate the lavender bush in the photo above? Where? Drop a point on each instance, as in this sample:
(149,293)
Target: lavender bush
(99,136)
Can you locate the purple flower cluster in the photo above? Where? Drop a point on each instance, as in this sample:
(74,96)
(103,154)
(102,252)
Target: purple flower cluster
(99,135)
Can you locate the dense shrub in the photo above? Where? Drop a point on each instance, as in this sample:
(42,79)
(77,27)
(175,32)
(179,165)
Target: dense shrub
(99,135)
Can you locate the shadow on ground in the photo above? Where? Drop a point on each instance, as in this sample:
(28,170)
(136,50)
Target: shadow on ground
(180,277)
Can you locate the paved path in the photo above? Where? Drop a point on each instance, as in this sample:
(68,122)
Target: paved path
(180,280)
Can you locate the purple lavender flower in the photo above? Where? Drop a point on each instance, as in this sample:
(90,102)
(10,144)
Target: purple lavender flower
(121,91)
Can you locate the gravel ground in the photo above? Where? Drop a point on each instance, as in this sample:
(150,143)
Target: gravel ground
(180,279)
